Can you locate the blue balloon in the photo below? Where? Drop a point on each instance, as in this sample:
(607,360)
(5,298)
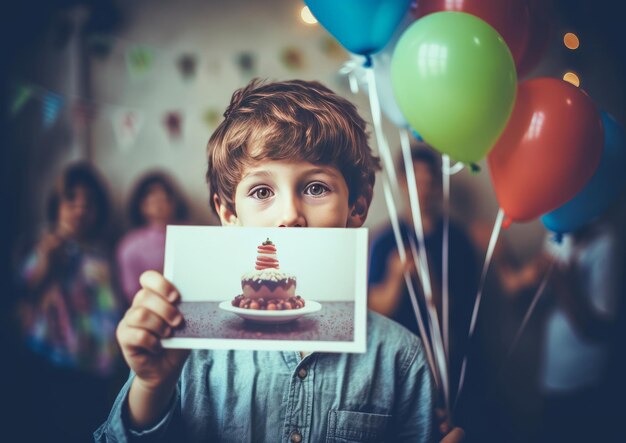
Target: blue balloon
(602,190)
(361,26)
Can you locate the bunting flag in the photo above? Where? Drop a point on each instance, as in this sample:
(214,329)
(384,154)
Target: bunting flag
(82,114)
(62,33)
(187,66)
(292,58)
(211,117)
(126,125)
(100,45)
(139,60)
(332,48)
(173,122)
(21,97)
(52,104)
(246,62)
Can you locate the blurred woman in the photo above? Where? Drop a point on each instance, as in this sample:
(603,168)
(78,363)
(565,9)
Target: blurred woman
(69,311)
(154,203)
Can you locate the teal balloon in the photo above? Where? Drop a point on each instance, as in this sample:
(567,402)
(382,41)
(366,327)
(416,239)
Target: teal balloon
(602,190)
(455,81)
(361,26)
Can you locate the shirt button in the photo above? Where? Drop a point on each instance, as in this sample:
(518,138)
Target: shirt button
(302,373)
(296,437)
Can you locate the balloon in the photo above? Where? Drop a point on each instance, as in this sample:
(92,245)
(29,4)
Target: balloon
(382,71)
(539,32)
(602,190)
(361,26)
(549,150)
(454,80)
(511,18)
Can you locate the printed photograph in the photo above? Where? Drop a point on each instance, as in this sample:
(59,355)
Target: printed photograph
(269,288)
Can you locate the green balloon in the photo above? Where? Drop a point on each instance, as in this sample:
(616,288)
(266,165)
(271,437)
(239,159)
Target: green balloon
(454,80)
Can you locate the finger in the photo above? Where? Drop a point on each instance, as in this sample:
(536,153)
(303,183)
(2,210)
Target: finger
(457,435)
(159,306)
(142,317)
(444,428)
(138,340)
(155,282)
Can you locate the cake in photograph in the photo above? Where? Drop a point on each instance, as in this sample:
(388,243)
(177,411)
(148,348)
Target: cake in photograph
(267,287)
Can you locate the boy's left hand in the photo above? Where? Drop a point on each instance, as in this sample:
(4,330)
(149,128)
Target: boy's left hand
(457,435)
(450,434)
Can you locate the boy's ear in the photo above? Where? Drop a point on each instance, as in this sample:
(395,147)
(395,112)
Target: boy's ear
(358,212)
(227,216)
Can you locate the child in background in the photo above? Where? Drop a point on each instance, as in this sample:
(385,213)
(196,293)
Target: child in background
(290,154)
(68,312)
(155,202)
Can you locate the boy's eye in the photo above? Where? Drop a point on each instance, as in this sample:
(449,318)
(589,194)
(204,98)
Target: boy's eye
(262,193)
(316,190)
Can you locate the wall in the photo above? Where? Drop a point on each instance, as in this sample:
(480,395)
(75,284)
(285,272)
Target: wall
(217,32)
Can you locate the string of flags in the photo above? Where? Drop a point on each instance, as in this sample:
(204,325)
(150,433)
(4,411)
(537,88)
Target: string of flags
(127,122)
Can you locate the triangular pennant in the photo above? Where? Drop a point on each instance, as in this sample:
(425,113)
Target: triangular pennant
(211,117)
(82,114)
(139,60)
(62,33)
(52,104)
(173,122)
(246,62)
(332,48)
(126,125)
(100,45)
(187,66)
(292,58)
(21,97)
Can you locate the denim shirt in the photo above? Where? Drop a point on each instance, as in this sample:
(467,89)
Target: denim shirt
(385,394)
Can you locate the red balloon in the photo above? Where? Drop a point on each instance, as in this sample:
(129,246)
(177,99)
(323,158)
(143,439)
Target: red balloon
(511,18)
(539,33)
(549,149)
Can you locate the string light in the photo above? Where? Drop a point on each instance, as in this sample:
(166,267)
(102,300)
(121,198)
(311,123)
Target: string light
(307,16)
(571,78)
(571,41)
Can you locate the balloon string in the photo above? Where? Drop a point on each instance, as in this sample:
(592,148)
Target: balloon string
(393,215)
(531,309)
(381,141)
(422,264)
(451,170)
(492,245)
(349,69)
(390,179)
(444,255)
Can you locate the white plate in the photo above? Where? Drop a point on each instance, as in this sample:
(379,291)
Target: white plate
(272,316)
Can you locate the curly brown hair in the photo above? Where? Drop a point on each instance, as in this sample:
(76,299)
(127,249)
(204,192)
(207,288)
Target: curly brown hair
(292,120)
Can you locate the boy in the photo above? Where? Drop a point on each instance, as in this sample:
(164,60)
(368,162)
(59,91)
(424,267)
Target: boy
(290,154)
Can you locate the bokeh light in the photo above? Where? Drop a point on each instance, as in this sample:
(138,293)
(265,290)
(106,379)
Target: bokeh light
(307,16)
(571,41)
(571,78)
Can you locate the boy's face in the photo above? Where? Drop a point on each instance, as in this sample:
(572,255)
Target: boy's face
(278,193)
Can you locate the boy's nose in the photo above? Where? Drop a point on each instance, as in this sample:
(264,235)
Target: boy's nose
(292,216)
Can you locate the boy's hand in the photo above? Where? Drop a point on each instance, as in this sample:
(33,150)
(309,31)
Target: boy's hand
(448,433)
(152,316)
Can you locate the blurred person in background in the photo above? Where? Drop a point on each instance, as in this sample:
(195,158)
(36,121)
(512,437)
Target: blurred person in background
(68,311)
(584,292)
(388,293)
(155,202)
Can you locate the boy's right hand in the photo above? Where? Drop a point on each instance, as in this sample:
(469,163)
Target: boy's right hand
(152,316)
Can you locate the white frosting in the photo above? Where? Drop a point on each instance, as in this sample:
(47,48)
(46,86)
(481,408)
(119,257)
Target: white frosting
(267,274)
(270,255)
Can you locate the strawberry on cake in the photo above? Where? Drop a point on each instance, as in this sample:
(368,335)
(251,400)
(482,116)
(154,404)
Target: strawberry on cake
(267,287)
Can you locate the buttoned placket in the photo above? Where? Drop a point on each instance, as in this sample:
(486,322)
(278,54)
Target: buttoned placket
(299,408)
